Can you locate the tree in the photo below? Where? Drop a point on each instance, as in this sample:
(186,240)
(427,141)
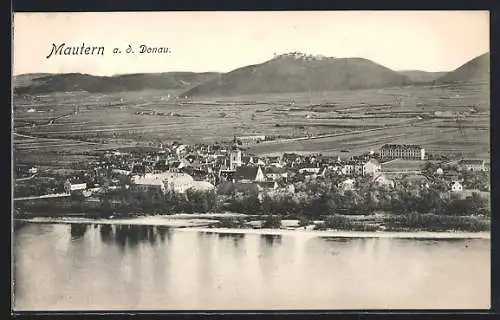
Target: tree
(201,201)
(272,222)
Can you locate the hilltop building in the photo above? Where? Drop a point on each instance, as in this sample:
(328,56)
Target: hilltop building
(402,151)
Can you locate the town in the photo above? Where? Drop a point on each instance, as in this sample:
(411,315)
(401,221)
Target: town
(226,177)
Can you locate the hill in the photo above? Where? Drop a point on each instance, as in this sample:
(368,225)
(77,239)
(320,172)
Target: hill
(24,80)
(297,72)
(41,83)
(475,70)
(422,76)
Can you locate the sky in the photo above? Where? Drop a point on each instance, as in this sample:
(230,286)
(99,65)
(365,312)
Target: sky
(224,41)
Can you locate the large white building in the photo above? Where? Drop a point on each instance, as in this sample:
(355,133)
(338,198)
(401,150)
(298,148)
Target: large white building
(169,181)
(402,151)
(471,165)
(357,168)
(71,187)
(251,139)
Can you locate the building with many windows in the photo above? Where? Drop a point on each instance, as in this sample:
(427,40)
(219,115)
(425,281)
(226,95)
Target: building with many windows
(402,151)
(471,165)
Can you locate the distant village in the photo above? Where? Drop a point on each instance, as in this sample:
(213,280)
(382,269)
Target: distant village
(180,167)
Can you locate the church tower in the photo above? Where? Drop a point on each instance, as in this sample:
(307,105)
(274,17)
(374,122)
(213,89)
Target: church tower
(235,159)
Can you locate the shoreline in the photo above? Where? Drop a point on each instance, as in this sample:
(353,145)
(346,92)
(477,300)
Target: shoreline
(201,225)
(352,234)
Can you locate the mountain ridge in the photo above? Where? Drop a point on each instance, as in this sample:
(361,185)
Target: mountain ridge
(301,73)
(285,73)
(68,82)
(476,70)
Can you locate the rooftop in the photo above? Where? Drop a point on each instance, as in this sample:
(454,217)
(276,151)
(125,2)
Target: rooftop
(471,161)
(246,173)
(401,146)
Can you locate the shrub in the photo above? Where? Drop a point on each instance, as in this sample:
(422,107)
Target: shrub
(272,222)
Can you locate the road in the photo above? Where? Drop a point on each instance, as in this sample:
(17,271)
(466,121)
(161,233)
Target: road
(45,196)
(64,142)
(27,178)
(334,134)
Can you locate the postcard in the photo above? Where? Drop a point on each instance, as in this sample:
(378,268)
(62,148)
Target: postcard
(294,160)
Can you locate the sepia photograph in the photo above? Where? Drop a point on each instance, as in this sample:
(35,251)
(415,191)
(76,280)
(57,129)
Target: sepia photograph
(257,160)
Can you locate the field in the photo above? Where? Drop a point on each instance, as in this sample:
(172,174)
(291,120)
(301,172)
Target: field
(353,121)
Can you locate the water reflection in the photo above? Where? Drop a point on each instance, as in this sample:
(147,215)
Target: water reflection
(205,259)
(78,231)
(18,225)
(186,269)
(132,235)
(105,232)
(271,239)
(236,238)
(164,233)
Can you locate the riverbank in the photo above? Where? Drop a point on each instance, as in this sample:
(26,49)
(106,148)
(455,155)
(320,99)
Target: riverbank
(288,227)
(351,234)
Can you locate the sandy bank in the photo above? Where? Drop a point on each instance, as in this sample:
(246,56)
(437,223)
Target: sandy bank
(351,234)
(201,225)
(154,221)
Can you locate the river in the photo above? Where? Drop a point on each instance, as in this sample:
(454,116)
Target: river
(111,267)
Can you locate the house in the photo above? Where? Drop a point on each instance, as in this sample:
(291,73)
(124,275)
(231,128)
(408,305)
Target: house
(33,170)
(201,186)
(180,164)
(227,188)
(167,181)
(352,168)
(291,159)
(439,171)
(258,162)
(249,174)
(139,169)
(289,188)
(181,149)
(371,167)
(417,180)
(402,151)
(161,166)
(226,175)
(70,187)
(148,182)
(121,171)
(274,160)
(267,185)
(246,160)
(382,181)
(198,174)
(456,186)
(274,173)
(348,184)
(192,157)
(313,170)
(251,139)
(471,165)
